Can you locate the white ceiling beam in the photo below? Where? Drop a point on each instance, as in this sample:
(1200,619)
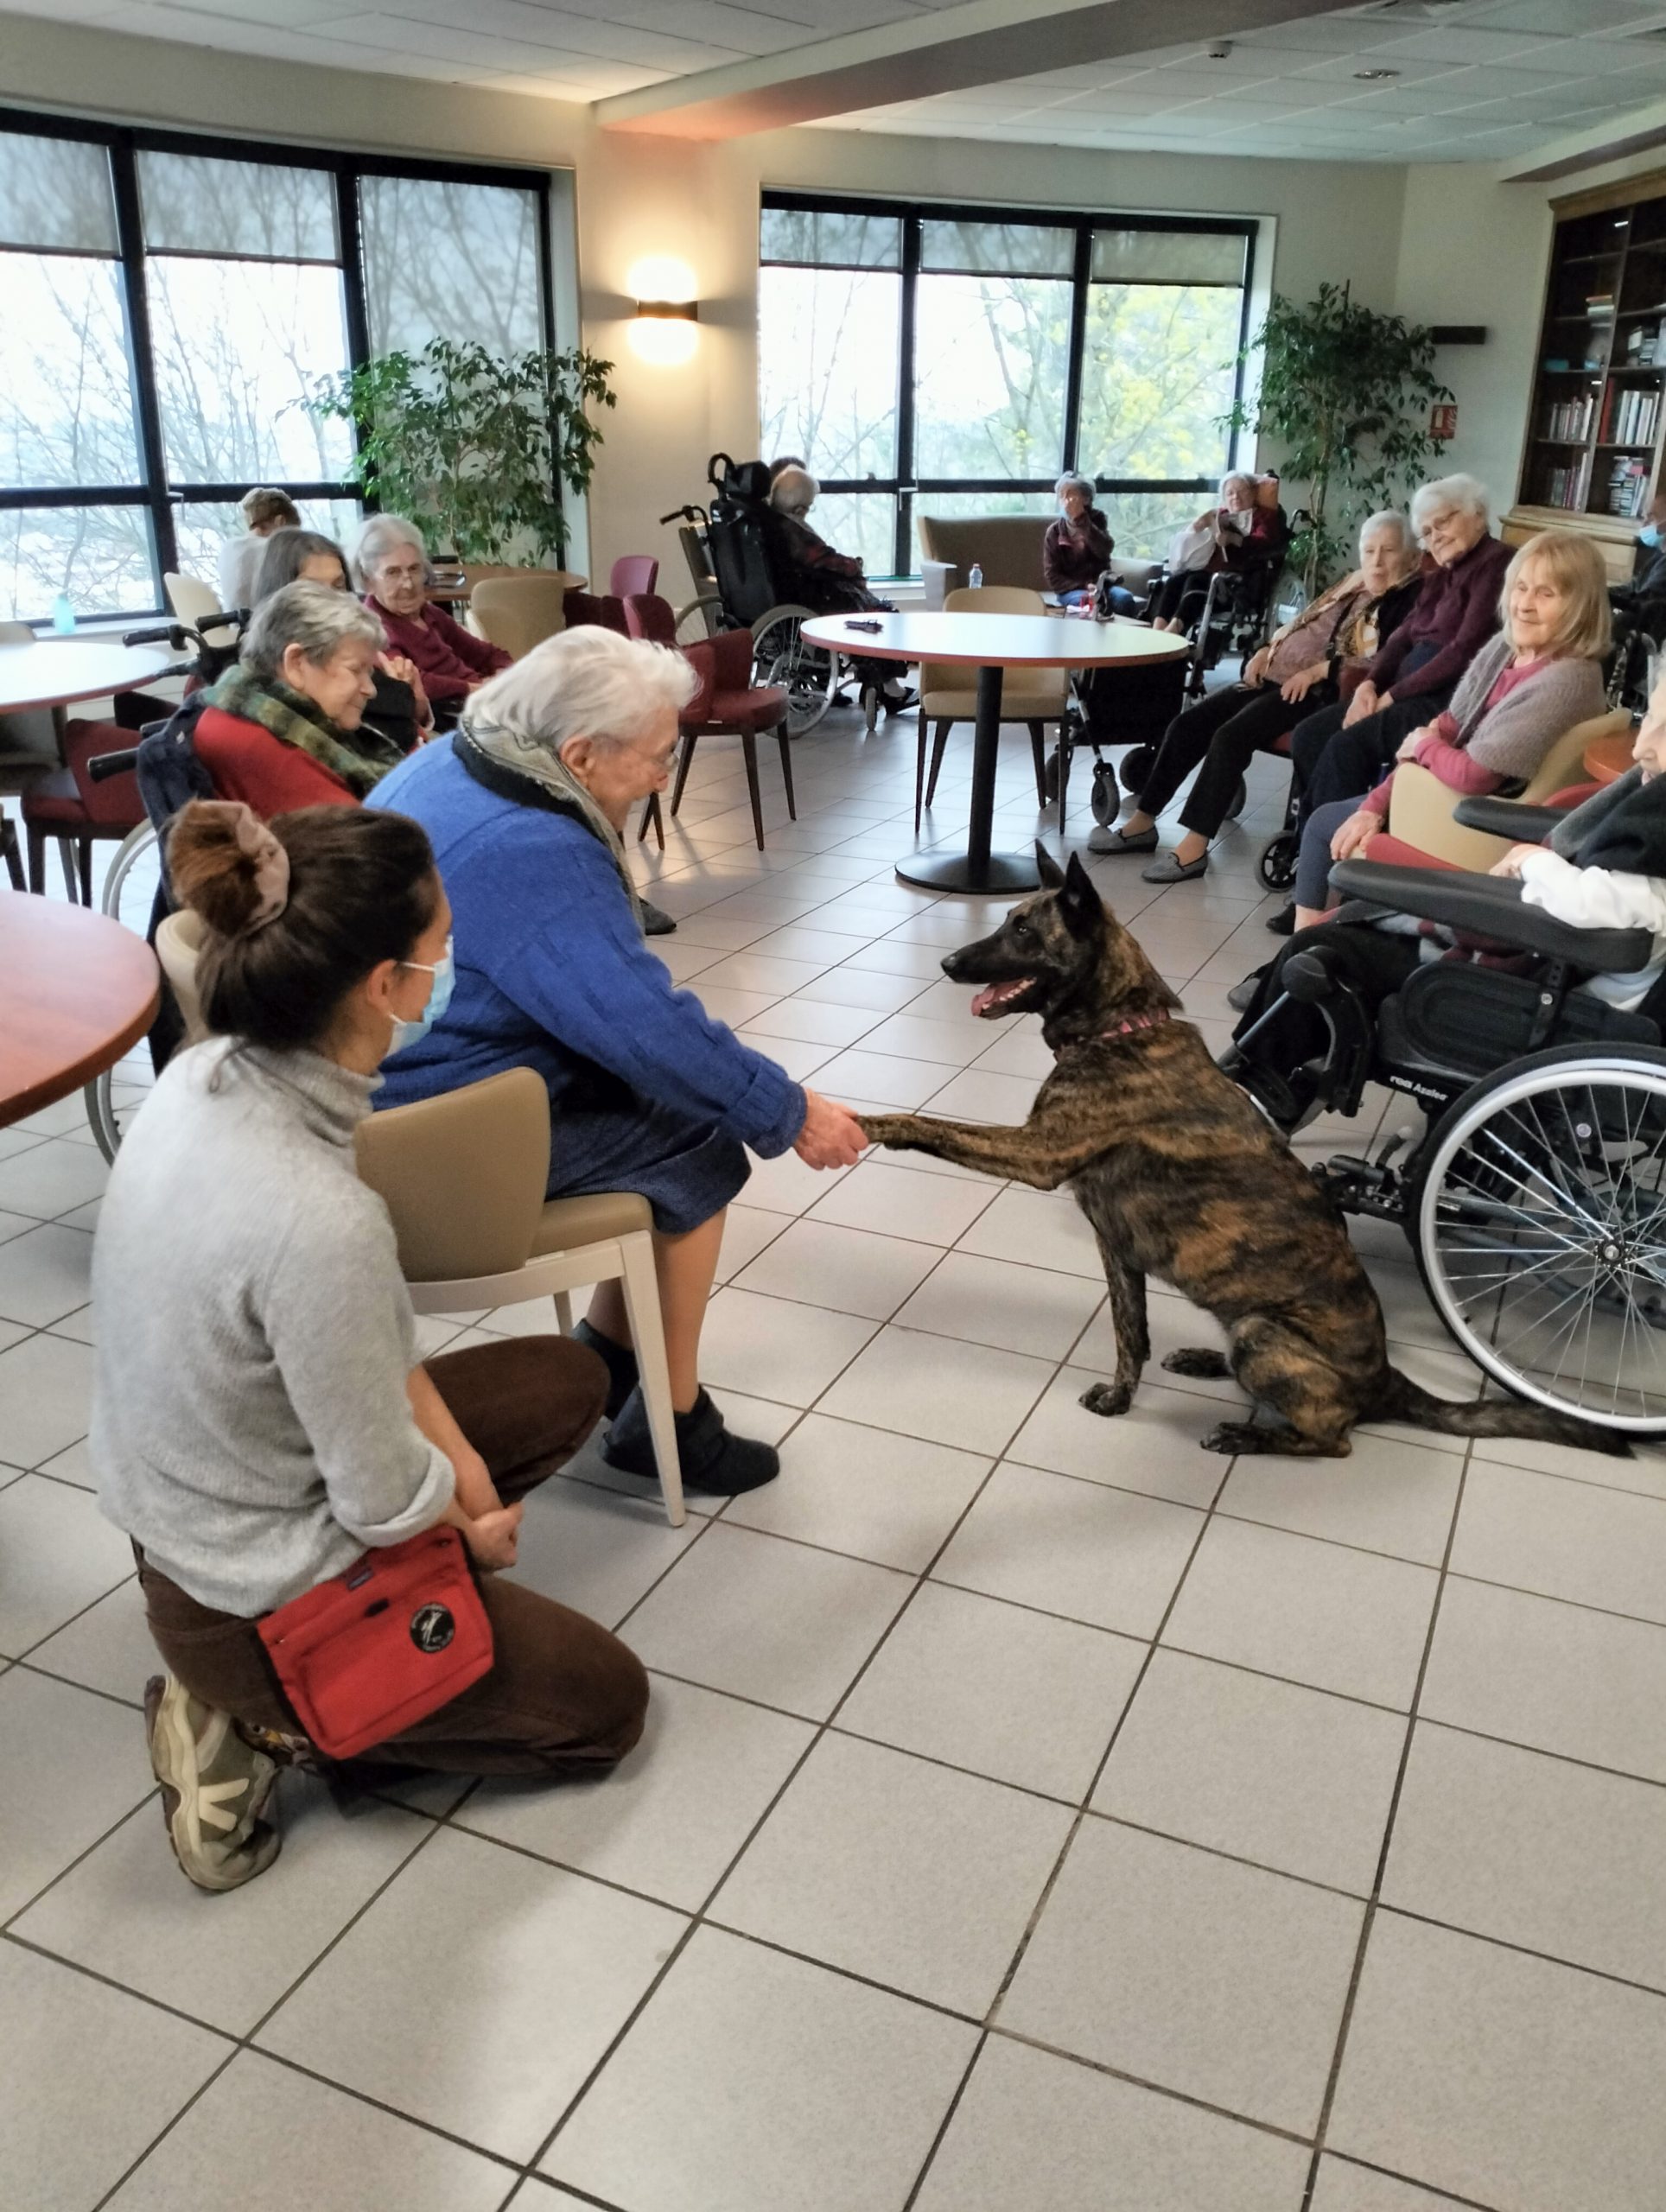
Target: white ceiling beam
(948,50)
(1638,130)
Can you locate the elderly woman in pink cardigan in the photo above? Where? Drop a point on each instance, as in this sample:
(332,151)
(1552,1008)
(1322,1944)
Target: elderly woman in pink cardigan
(1526,686)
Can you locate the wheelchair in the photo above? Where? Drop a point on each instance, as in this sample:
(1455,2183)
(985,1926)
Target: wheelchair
(1533,1198)
(743,579)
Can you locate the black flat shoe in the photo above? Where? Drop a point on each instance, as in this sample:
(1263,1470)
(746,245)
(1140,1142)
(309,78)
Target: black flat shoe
(619,1362)
(656,922)
(1283,923)
(714,1462)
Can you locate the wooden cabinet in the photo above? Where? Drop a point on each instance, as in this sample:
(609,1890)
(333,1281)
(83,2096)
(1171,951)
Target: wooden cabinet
(1598,419)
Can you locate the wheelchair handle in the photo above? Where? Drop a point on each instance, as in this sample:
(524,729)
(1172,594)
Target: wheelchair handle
(105,764)
(170,634)
(683,514)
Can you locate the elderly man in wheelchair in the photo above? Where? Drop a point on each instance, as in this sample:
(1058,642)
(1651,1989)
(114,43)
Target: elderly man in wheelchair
(1522,1012)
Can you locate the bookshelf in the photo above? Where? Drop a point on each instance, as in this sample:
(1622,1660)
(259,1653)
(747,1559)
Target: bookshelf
(1598,417)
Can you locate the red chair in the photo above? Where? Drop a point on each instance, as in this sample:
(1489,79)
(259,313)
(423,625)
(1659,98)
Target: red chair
(68,807)
(633,576)
(727,704)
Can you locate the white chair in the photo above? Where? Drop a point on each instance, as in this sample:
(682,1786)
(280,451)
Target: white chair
(192,601)
(463,1177)
(1035,697)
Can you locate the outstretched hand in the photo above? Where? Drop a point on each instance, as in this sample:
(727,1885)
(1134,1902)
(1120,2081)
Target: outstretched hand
(832,1135)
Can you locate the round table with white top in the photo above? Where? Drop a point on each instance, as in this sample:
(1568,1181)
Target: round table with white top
(991,644)
(64,671)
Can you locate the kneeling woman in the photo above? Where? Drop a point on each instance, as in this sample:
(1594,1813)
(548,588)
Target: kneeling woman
(1603,866)
(260,1416)
(526,804)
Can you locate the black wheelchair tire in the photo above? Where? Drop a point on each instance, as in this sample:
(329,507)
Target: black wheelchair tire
(1106,797)
(1275,865)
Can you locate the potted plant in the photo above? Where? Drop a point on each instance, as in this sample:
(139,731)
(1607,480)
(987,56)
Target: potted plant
(475,448)
(1347,394)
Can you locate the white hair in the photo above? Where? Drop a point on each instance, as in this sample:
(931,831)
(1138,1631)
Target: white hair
(1467,494)
(1239,476)
(1388,518)
(794,491)
(315,617)
(1073,483)
(588,682)
(376,536)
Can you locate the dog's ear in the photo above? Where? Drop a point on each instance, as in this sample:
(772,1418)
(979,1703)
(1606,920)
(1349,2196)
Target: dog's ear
(1083,908)
(1053,876)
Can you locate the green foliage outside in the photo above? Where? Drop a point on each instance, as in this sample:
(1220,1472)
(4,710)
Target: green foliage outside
(472,445)
(1346,393)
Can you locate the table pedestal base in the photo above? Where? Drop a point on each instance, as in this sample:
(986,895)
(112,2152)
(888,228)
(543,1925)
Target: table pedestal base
(1000,873)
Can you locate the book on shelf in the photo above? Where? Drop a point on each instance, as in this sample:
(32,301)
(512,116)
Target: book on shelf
(1567,422)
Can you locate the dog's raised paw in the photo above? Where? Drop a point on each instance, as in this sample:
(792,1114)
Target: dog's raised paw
(1199,1360)
(1107,1398)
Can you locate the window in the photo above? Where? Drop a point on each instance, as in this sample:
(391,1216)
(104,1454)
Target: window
(945,361)
(170,303)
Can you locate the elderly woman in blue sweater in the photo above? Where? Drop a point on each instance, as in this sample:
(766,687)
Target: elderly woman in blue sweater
(524,807)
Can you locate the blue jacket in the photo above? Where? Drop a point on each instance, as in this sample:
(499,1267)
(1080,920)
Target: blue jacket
(553,974)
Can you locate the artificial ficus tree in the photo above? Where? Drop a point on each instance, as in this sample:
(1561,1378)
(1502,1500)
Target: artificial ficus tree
(473,447)
(1346,393)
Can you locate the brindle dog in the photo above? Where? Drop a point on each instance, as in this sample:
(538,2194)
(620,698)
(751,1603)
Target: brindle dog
(1182,1178)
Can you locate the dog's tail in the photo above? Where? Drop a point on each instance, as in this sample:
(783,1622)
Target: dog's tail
(1401,1399)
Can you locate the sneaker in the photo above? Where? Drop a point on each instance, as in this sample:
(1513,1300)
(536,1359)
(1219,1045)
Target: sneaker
(215,1788)
(1104,839)
(1283,923)
(714,1462)
(656,922)
(1169,868)
(619,1362)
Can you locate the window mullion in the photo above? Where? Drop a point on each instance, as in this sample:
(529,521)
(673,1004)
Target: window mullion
(1079,333)
(141,362)
(905,521)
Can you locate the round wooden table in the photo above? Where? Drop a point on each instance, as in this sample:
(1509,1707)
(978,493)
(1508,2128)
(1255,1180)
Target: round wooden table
(61,672)
(991,644)
(77,990)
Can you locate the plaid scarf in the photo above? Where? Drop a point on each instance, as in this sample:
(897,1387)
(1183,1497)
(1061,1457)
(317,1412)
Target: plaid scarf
(293,719)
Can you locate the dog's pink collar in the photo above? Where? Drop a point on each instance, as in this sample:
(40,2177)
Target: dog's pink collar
(1139,1021)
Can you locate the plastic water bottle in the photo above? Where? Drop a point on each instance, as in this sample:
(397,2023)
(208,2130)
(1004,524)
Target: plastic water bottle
(63,614)
(976,579)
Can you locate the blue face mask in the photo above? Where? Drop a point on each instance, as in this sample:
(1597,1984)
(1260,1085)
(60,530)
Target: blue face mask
(1650,536)
(444,972)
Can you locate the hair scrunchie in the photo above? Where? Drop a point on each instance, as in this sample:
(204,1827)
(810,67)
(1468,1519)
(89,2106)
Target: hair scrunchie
(272,863)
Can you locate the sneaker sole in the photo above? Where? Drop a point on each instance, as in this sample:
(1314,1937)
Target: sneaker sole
(174,1763)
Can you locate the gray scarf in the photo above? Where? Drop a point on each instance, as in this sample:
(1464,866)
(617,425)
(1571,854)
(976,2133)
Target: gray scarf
(524,757)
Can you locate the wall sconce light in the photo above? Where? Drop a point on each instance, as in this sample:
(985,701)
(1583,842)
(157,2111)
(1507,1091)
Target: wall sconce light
(667,312)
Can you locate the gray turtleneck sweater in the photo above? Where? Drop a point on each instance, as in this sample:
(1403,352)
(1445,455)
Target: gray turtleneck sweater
(251,1427)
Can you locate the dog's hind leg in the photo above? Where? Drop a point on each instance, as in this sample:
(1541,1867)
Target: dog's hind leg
(1127,1319)
(1279,1369)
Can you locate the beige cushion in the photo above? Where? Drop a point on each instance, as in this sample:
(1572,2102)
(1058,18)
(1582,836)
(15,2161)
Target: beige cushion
(178,942)
(516,612)
(463,1175)
(567,1223)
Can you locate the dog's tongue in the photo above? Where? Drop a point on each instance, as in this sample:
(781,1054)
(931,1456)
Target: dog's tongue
(996,994)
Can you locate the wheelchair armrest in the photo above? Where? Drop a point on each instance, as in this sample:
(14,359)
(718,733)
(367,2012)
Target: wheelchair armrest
(1509,817)
(1492,905)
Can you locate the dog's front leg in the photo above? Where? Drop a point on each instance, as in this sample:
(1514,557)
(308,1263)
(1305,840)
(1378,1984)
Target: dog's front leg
(1022,1156)
(1128,1320)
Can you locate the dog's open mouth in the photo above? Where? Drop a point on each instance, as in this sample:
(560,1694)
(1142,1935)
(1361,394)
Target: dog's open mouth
(999,998)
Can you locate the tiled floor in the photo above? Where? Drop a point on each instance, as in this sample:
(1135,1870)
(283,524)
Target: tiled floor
(1036,1813)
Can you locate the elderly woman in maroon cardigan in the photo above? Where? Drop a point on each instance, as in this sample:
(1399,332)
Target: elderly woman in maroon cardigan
(390,566)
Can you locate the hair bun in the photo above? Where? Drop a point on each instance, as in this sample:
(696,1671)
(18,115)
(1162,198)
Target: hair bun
(227,866)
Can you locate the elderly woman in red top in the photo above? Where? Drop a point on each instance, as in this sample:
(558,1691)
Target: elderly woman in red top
(390,566)
(282,728)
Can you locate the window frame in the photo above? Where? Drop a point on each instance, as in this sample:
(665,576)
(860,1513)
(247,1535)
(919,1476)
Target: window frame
(907,486)
(154,491)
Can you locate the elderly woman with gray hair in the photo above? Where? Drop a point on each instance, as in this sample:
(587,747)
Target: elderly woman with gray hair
(1075,552)
(283,726)
(525,806)
(390,566)
(1242,523)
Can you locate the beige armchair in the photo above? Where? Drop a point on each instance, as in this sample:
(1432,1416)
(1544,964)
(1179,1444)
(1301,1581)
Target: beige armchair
(1421,807)
(516,612)
(1008,548)
(1034,696)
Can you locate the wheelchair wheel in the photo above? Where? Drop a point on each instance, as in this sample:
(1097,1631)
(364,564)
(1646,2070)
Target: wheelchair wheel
(1106,797)
(1539,1222)
(1137,764)
(808,674)
(1240,800)
(1276,864)
(137,847)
